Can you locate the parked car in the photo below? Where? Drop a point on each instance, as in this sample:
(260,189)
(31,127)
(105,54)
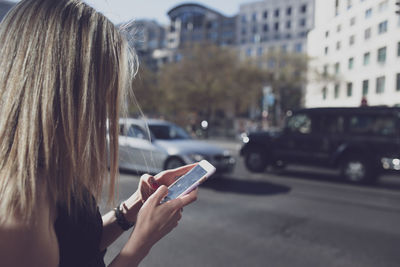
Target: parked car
(155,145)
(360,142)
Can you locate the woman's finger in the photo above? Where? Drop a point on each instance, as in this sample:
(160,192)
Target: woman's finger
(189,198)
(159,195)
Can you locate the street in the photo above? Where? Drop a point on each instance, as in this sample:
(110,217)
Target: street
(298,217)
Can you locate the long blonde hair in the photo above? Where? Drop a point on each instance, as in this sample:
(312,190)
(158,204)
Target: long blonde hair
(64,72)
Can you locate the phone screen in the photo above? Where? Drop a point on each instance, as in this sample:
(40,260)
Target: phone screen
(185,182)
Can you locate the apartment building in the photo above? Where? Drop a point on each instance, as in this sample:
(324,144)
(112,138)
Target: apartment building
(195,23)
(268,26)
(355,51)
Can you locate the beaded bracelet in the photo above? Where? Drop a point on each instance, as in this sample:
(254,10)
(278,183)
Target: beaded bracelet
(122,222)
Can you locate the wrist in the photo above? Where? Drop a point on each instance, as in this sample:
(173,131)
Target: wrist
(131,207)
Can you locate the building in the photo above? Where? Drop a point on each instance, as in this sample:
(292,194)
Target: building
(5,6)
(268,26)
(194,23)
(355,48)
(148,38)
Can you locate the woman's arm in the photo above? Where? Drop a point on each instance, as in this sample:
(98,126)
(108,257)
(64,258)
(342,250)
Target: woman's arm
(111,229)
(130,208)
(155,220)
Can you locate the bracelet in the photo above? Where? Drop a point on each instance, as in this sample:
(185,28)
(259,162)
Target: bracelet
(122,222)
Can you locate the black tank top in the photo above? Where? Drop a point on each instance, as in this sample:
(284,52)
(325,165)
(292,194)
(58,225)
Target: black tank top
(79,237)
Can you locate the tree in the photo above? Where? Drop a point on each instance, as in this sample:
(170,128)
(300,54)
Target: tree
(210,81)
(148,95)
(287,75)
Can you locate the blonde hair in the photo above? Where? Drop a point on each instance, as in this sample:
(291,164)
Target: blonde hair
(64,72)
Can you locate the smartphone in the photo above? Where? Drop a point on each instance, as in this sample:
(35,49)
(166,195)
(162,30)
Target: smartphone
(190,180)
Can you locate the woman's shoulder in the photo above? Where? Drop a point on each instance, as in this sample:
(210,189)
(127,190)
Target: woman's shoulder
(31,243)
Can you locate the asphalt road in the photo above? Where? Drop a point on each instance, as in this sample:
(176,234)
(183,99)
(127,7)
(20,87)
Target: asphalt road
(299,217)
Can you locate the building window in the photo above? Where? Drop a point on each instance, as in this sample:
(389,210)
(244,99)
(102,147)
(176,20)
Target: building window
(368,13)
(352,21)
(303,9)
(367,33)
(298,48)
(351,40)
(349,4)
(398,49)
(265,14)
(244,19)
(336,7)
(338,28)
(380,85)
(265,28)
(276,26)
(326,34)
(254,29)
(276,13)
(349,89)
(365,85)
(382,27)
(382,55)
(383,5)
(325,71)
(336,91)
(324,93)
(302,34)
(288,24)
(254,17)
(249,52)
(326,50)
(366,58)
(244,32)
(351,63)
(259,51)
(271,63)
(398,82)
(337,67)
(289,11)
(302,22)
(338,44)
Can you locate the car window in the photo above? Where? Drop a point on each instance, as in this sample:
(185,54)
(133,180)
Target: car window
(375,125)
(332,124)
(136,132)
(168,132)
(299,123)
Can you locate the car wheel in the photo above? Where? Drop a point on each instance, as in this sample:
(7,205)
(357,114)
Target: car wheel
(173,163)
(358,170)
(255,160)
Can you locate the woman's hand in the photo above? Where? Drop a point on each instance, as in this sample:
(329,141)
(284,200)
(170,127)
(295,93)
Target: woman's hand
(148,184)
(155,220)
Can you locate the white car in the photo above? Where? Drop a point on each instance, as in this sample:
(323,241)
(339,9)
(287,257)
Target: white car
(155,145)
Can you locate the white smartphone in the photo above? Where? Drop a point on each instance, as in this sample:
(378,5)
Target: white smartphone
(190,180)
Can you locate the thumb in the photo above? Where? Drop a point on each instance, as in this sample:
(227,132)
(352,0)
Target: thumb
(159,195)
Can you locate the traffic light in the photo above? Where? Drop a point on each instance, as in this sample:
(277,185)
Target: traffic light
(398,10)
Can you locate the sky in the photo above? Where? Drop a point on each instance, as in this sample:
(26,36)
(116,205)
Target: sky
(119,11)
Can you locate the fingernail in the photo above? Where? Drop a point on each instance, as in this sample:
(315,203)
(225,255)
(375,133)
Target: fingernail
(155,185)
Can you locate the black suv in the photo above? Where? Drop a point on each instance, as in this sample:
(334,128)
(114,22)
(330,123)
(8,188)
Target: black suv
(361,142)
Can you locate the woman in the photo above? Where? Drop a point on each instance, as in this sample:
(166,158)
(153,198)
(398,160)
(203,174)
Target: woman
(64,72)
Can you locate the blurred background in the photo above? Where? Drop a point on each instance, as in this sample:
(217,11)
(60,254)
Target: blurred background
(223,69)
